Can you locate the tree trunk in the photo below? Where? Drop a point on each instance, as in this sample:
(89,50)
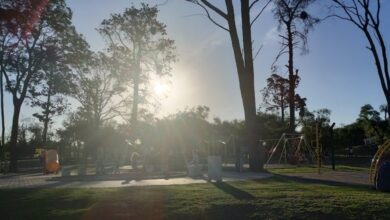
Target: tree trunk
(256,158)
(2,117)
(387,112)
(245,72)
(14,135)
(291,78)
(134,113)
(46,119)
(282,107)
(256,153)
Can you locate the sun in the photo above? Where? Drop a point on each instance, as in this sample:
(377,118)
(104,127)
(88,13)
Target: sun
(160,88)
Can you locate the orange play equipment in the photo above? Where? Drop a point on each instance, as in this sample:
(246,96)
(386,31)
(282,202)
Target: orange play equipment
(52,164)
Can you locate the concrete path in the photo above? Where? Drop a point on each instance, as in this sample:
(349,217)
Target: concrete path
(55,181)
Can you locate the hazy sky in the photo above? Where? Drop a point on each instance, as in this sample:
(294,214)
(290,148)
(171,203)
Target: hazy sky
(338,73)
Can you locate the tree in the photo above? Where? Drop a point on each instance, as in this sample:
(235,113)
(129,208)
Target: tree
(383,108)
(73,133)
(140,44)
(366,16)
(300,103)
(367,112)
(243,56)
(57,80)
(98,90)
(296,23)
(8,22)
(369,119)
(96,87)
(310,120)
(26,46)
(36,135)
(53,102)
(322,116)
(276,95)
(2,105)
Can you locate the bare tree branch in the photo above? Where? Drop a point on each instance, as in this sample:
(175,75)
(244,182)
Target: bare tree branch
(261,11)
(209,15)
(214,8)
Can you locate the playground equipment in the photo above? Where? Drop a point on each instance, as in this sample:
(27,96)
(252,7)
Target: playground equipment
(292,148)
(378,161)
(52,164)
(226,147)
(218,152)
(214,169)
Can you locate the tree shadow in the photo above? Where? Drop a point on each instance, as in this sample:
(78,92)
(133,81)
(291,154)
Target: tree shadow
(304,180)
(233,191)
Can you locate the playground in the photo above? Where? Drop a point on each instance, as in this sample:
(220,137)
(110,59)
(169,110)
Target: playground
(216,184)
(291,186)
(215,160)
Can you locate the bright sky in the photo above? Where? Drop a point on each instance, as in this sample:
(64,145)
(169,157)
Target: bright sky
(338,73)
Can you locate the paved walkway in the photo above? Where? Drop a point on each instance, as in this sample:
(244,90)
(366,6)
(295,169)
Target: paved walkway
(56,181)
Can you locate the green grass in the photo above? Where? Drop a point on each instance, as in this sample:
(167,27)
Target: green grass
(313,169)
(274,198)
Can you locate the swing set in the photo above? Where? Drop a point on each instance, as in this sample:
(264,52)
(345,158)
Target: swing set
(289,149)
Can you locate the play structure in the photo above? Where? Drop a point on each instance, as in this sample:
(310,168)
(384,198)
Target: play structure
(226,147)
(288,149)
(232,154)
(380,168)
(51,162)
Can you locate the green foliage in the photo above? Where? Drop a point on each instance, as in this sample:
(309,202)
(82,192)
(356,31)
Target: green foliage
(276,95)
(367,125)
(31,43)
(28,50)
(369,120)
(141,49)
(349,135)
(270,126)
(98,90)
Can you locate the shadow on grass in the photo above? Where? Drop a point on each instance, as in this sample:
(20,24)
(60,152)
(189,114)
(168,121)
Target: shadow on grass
(42,204)
(233,191)
(304,180)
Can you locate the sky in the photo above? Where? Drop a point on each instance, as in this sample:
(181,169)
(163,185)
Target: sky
(338,72)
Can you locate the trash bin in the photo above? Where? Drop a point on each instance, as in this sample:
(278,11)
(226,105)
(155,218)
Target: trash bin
(82,171)
(65,171)
(214,168)
(193,170)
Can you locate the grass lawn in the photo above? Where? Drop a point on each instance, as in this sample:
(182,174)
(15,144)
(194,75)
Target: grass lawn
(273,198)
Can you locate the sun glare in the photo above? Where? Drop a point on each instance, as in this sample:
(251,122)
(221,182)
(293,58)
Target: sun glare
(160,88)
